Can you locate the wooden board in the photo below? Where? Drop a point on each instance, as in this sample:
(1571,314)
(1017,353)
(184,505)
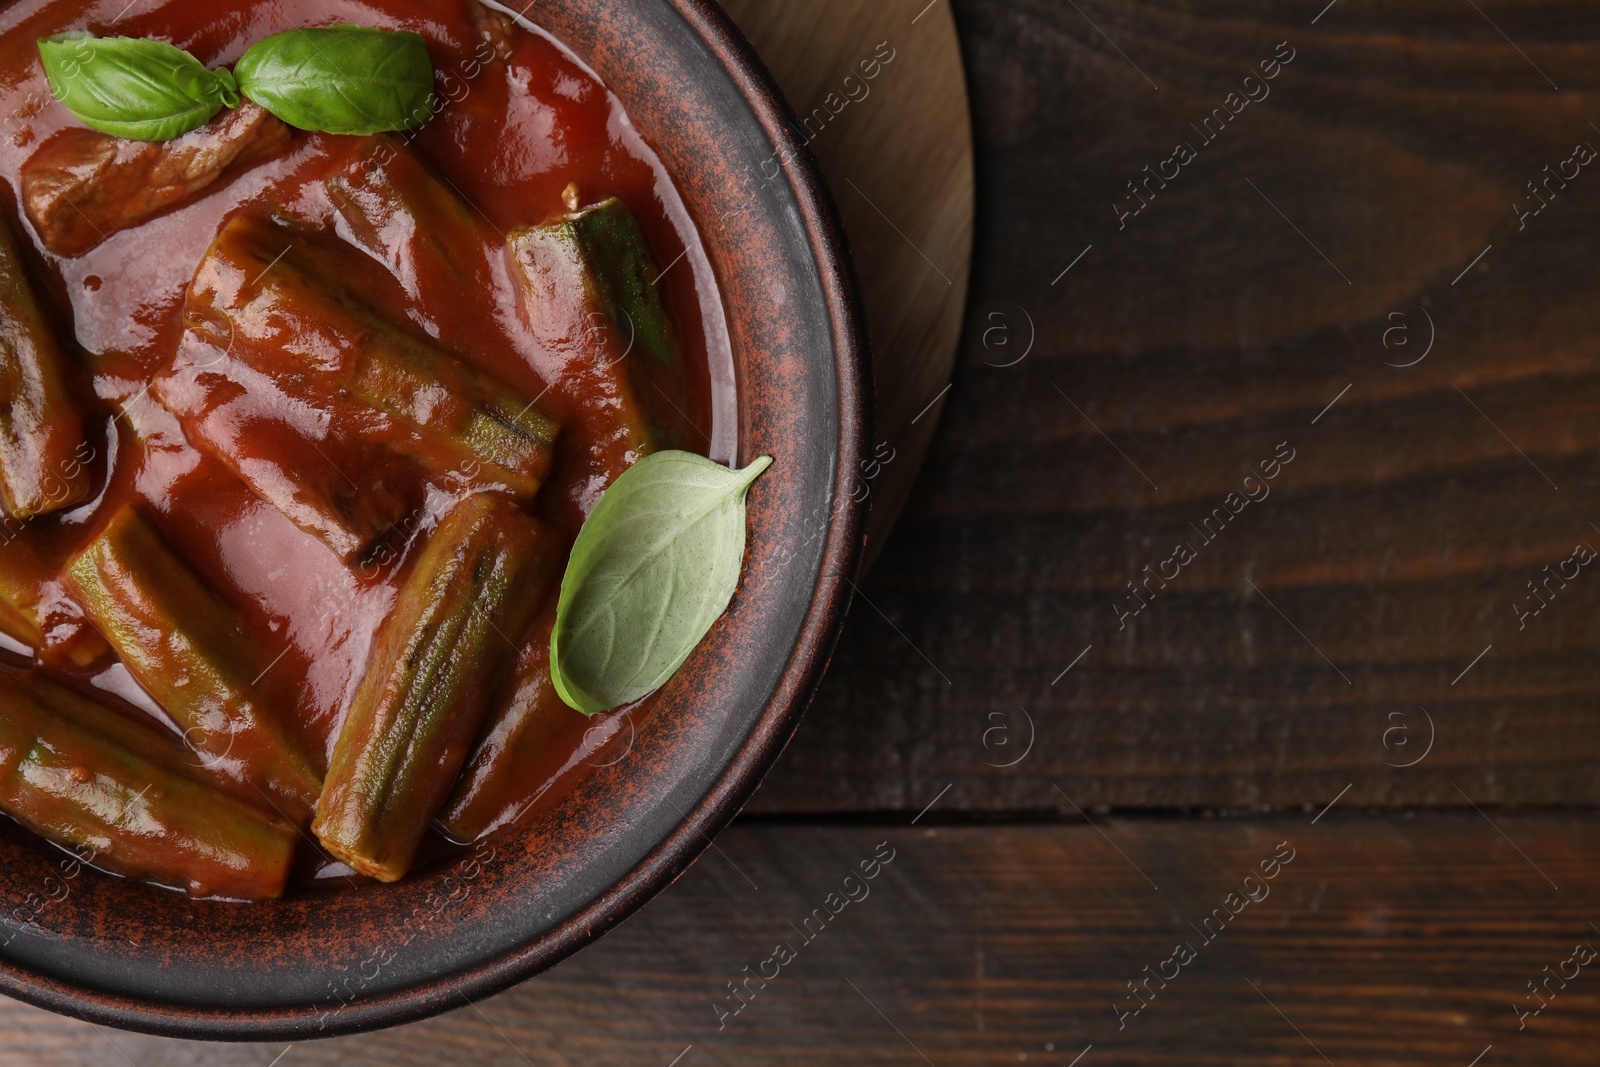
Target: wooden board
(881,97)
(1183,349)
(1383,941)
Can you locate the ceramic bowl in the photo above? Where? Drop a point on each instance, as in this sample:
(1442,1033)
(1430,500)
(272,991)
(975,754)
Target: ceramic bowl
(118,953)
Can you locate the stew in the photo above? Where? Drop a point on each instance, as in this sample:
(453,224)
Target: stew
(297,430)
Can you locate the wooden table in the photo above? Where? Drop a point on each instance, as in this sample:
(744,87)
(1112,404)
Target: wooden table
(1080,782)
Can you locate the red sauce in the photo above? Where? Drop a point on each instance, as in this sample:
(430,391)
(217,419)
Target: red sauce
(511,136)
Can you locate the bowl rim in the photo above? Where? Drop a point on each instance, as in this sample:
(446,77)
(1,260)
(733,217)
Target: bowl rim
(842,553)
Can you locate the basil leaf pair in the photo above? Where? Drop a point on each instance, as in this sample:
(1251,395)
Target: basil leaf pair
(336,79)
(653,567)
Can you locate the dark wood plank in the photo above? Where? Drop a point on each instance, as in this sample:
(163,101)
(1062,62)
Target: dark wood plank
(1386,940)
(1277,273)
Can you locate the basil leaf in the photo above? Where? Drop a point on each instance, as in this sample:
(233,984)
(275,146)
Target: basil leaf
(653,567)
(134,87)
(341,79)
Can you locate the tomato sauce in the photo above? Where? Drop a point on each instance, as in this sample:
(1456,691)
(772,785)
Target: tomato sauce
(516,128)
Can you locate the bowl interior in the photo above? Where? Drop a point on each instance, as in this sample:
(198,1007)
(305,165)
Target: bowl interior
(130,956)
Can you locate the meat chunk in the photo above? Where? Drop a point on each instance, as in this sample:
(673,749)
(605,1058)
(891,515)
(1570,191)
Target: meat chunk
(83,186)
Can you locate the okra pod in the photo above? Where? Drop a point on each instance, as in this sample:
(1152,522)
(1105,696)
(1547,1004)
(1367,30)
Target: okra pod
(490,431)
(463,420)
(19,618)
(22,568)
(523,747)
(598,251)
(404,216)
(588,288)
(349,503)
(42,444)
(434,665)
(27,567)
(393,206)
(287,315)
(188,649)
(87,777)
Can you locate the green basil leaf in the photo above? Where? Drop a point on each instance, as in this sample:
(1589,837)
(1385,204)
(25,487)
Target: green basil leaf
(133,87)
(653,567)
(341,79)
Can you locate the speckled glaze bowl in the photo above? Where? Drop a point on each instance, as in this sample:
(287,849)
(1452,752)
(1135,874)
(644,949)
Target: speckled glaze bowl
(123,955)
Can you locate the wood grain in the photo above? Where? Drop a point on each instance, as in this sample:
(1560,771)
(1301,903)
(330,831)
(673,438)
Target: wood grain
(1383,941)
(897,152)
(1262,297)
(1286,668)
